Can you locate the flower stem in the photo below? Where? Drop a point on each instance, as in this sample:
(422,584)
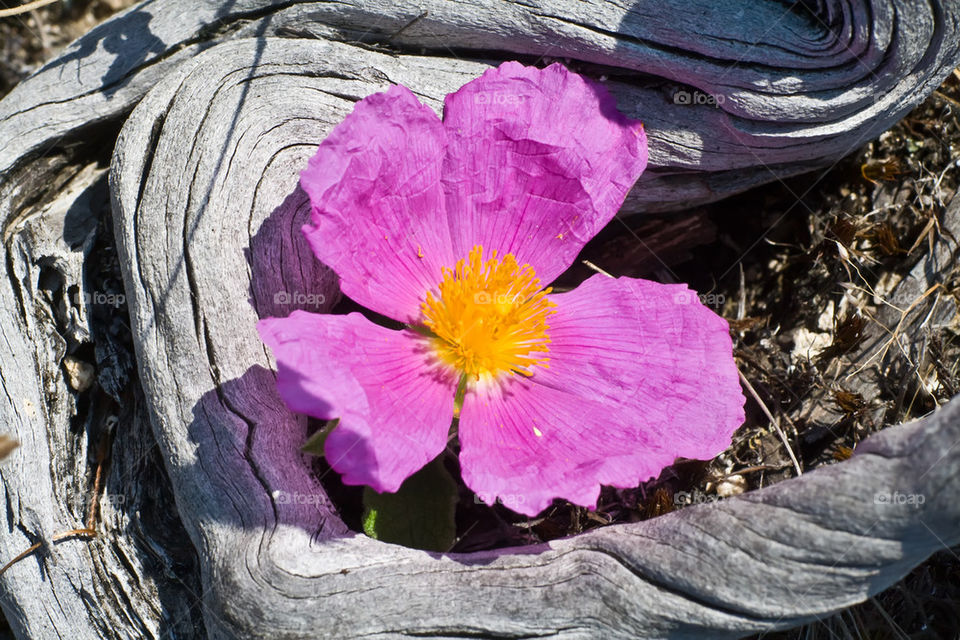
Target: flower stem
(458,397)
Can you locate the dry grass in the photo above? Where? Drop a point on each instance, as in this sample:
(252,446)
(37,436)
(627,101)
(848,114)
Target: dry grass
(28,40)
(802,262)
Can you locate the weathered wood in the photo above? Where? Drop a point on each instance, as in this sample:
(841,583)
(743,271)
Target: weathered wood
(787,88)
(137,579)
(285,568)
(207,216)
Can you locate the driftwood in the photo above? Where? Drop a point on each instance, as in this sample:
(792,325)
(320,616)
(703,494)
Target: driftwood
(205,217)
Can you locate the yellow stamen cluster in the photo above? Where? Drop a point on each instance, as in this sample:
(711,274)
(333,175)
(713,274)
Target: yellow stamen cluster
(490,318)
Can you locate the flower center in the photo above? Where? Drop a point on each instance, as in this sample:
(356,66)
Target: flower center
(491,317)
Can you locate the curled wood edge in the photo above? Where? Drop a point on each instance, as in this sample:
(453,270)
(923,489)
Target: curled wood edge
(772,128)
(182,44)
(767,560)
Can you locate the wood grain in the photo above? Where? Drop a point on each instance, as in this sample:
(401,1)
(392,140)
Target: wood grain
(275,569)
(221,529)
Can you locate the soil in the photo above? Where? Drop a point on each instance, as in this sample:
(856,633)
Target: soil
(785,278)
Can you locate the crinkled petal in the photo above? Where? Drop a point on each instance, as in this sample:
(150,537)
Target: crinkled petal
(395,408)
(655,350)
(524,444)
(639,374)
(538,161)
(378,213)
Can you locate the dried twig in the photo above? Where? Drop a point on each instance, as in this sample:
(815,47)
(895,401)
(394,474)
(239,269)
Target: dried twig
(27,8)
(88,531)
(882,351)
(596,268)
(773,421)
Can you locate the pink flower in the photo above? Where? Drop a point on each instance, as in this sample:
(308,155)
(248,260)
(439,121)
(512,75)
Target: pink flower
(453,228)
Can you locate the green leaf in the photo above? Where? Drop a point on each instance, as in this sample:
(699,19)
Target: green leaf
(314,444)
(419,515)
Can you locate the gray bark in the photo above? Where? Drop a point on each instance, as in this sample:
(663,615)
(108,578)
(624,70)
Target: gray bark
(205,218)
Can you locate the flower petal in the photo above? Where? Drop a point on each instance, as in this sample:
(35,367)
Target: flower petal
(524,444)
(538,161)
(639,374)
(655,350)
(395,409)
(378,213)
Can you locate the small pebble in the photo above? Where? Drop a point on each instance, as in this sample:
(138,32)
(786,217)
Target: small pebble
(731,486)
(79,373)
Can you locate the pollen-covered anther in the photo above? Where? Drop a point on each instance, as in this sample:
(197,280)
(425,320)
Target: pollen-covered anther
(490,316)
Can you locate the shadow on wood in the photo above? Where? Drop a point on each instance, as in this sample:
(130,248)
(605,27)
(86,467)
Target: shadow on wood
(227,112)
